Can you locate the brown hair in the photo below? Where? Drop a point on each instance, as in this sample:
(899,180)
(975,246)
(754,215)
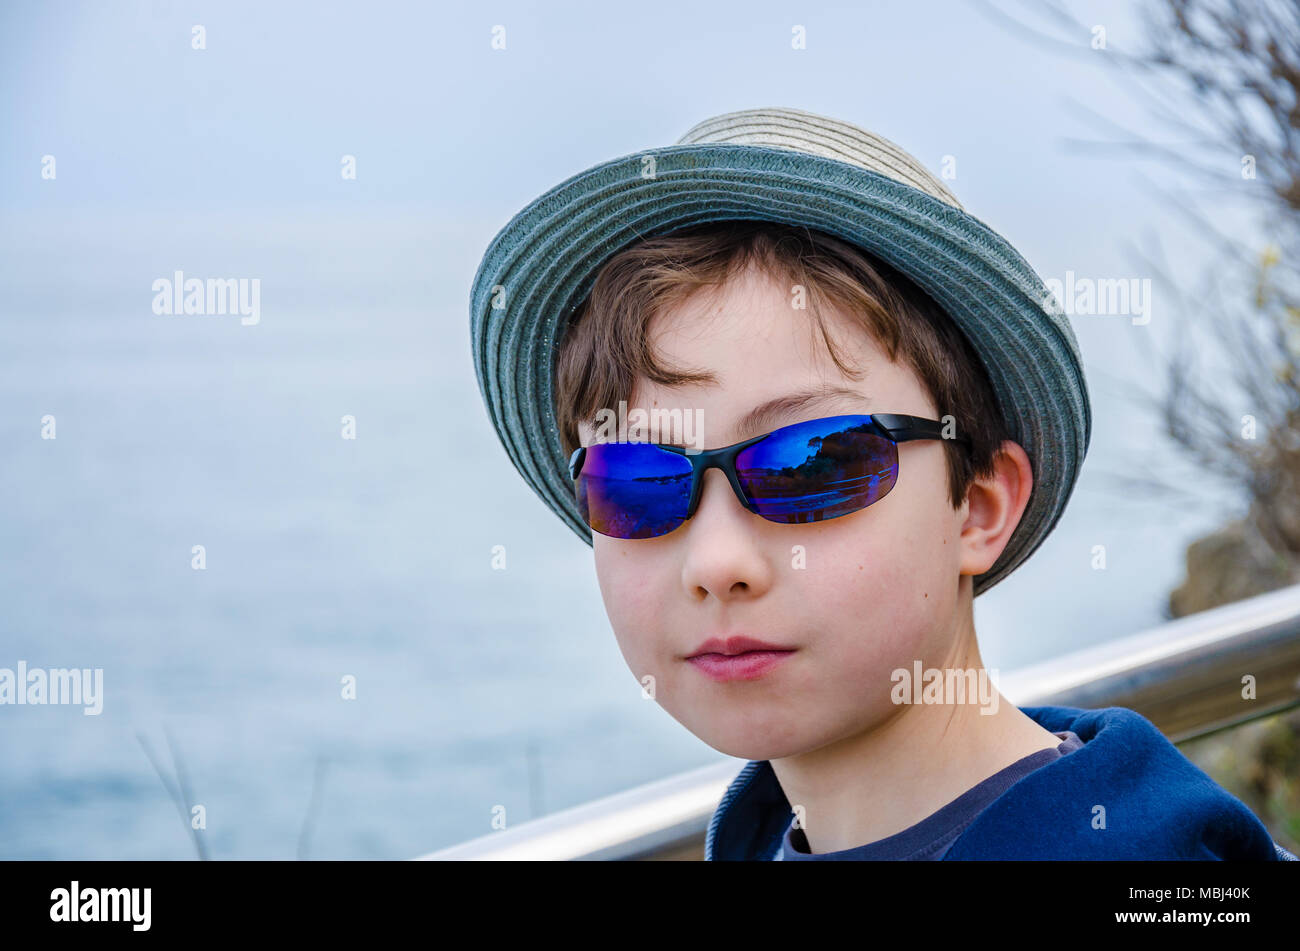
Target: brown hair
(607,347)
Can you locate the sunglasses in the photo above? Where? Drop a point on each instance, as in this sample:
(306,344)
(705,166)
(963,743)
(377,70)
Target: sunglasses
(806,472)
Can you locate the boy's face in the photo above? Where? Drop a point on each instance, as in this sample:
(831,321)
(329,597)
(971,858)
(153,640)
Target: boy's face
(877,590)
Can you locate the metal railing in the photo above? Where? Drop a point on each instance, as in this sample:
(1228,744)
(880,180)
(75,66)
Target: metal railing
(1185,676)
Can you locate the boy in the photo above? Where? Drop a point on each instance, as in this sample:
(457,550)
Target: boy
(873,415)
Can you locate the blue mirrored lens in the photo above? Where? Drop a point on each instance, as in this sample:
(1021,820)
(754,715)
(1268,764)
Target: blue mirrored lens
(633,490)
(818,470)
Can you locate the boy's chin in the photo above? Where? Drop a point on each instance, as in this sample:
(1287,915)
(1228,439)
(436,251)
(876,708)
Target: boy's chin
(749,746)
(768,738)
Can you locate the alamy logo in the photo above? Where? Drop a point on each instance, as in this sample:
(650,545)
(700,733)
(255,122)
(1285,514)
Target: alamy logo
(102,904)
(656,425)
(214,297)
(59,685)
(1101,297)
(946,686)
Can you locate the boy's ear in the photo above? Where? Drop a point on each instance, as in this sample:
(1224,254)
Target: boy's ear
(994,507)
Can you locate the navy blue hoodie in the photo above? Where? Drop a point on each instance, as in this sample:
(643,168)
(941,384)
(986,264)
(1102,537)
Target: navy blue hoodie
(1158,804)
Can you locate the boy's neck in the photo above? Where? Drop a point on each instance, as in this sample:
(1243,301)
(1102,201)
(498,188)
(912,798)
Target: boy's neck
(877,783)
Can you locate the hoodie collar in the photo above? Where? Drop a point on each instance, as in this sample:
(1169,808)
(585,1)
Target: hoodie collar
(1128,793)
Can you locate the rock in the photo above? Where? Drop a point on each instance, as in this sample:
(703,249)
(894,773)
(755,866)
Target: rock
(1229,564)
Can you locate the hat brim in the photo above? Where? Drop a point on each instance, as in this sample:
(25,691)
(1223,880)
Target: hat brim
(542,265)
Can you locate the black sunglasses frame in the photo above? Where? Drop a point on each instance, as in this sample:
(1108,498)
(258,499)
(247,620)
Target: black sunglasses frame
(892,426)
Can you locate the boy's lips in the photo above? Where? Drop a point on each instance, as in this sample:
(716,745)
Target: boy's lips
(737,658)
(738,644)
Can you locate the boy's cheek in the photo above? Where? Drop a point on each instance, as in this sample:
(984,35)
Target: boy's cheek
(616,572)
(633,603)
(876,614)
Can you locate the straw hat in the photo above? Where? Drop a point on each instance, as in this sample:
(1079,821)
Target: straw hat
(788,166)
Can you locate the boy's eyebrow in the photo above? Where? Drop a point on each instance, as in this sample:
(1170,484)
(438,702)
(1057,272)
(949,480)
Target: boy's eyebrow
(762,417)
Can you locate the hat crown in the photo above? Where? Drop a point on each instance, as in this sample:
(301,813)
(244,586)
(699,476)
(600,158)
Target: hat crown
(790,166)
(818,135)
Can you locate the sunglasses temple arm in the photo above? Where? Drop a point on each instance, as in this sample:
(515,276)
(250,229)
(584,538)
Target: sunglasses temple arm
(909,428)
(576,460)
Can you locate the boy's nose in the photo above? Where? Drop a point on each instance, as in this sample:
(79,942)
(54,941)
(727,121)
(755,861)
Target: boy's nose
(724,557)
